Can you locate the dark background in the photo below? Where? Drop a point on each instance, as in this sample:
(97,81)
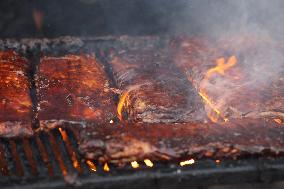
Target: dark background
(86,17)
(135,17)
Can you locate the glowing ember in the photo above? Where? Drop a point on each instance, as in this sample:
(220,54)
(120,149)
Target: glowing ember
(279,121)
(75,162)
(134,164)
(63,134)
(91,165)
(106,167)
(218,161)
(148,163)
(187,162)
(220,68)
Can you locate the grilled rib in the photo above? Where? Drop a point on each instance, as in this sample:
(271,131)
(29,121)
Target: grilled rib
(232,139)
(16,105)
(253,87)
(153,90)
(73,90)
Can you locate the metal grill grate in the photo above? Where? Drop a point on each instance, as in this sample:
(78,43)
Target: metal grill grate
(53,154)
(51,157)
(43,160)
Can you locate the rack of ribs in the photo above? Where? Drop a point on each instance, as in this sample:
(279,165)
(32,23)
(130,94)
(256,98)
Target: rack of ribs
(238,77)
(136,142)
(73,90)
(16,105)
(153,89)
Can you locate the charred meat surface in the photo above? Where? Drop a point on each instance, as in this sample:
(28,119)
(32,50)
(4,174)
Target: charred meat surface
(238,77)
(73,90)
(153,90)
(16,105)
(232,139)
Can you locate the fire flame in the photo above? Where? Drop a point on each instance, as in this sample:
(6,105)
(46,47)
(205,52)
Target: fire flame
(106,167)
(148,163)
(74,159)
(134,164)
(187,162)
(124,99)
(211,105)
(220,68)
(91,165)
(120,105)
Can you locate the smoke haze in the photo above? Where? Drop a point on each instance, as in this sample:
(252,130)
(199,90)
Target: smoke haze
(219,17)
(251,30)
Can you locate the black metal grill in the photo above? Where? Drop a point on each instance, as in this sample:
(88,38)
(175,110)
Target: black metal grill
(51,159)
(46,154)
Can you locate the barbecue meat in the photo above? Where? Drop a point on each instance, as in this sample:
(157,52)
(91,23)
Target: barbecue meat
(153,90)
(73,90)
(16,105)
(250,79)
(232,139)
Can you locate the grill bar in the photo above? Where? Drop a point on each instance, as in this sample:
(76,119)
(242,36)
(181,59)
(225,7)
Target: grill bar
(19,170)
(58,155)
(75,133)
(70,150)
(56,151)
(3,163)
(29,155)
(60,162)
(44,156)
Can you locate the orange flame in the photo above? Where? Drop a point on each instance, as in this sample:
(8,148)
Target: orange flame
(120,105)
(106,167)
(211,105)
(220,68)
(91,165)
(74,159)
(279,121)
(124,100)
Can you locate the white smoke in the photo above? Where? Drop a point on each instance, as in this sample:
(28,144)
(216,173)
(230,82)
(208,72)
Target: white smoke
(251,30)
(222,17)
